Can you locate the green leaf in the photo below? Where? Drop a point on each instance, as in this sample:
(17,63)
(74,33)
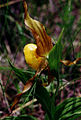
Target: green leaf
(68,109)
(55,54)
(76,115)
(43,96)
(5,68)
(46,117)
(22,117)
(19,27)
(21,74)
(72,113)
(53,106)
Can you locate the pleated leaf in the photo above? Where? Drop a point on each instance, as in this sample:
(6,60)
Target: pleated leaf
(68,109)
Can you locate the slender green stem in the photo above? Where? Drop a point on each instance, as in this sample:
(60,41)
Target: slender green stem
(57,84)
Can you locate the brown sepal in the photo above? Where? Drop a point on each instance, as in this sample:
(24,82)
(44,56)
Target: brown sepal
(69,63)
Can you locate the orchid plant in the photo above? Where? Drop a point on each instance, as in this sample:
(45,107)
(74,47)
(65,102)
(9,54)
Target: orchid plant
(43,56)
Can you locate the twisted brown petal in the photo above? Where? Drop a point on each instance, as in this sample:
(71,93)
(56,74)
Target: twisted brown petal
(69,63)
(43,41)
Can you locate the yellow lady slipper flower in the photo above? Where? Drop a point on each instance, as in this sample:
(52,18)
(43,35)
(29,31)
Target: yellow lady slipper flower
(36,54)
(31,56)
